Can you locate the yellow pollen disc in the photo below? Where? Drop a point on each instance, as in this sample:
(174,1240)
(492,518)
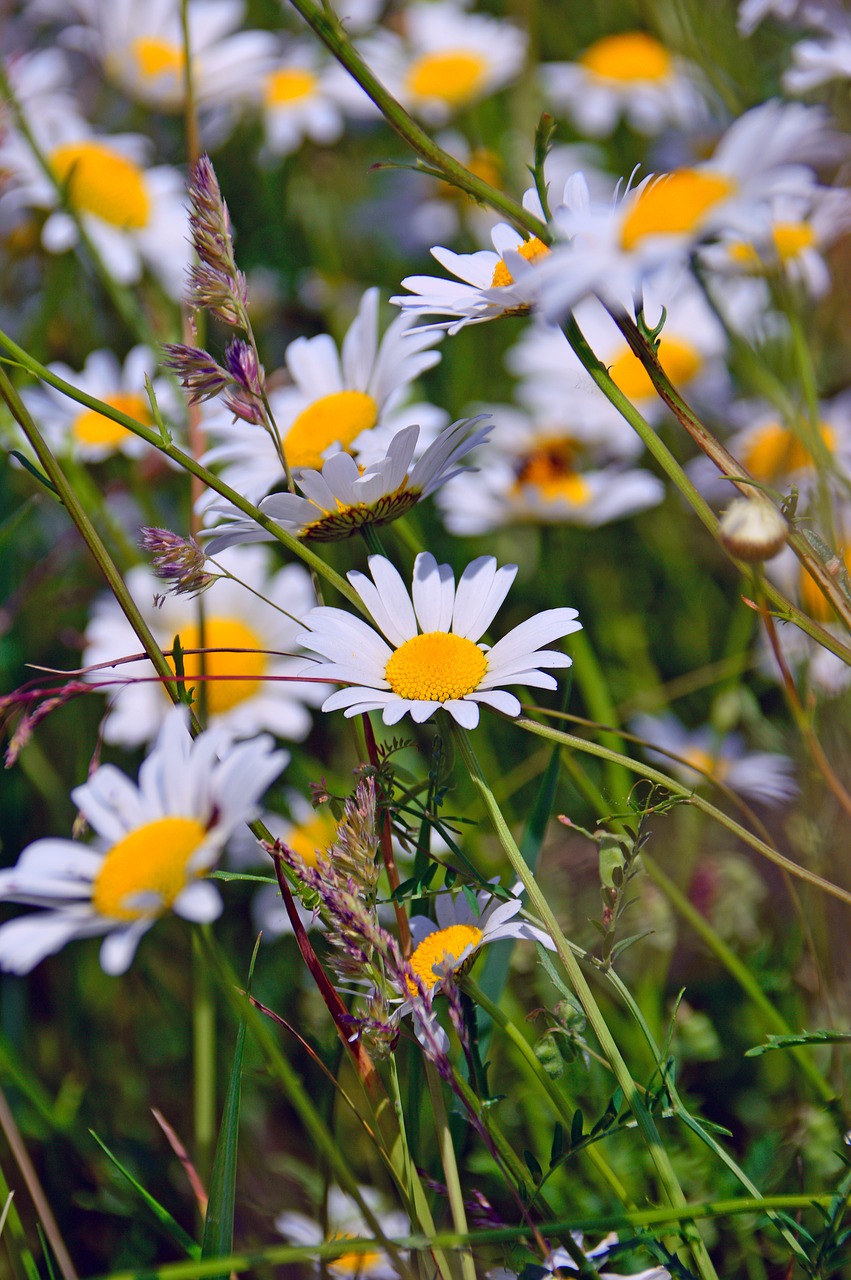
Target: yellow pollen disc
(774,451)
(157,57)
(791,238)
(453,76)
(704,760)
(223,633)
(631,56)
(441,946)
(318,832)
(674,205)
(92,428)
(551,469)
(436,667)
(335,419)
(151,859)
(353,1264)
(678,358)
(813,600)
(485,164)
(102,182)
(530,250)
(288,85)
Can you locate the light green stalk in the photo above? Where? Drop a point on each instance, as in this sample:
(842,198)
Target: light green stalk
(454,1190)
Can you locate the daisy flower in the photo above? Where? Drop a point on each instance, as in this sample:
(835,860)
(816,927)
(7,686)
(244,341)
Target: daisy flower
(485,286)
(459,933)
(84,433)
(447,59)
(432,659)
(242,692)
(308,832)
(141,49)
(816,62)
(135,216)
(343,497)
(350,399)
(630,74)
(346,1222)
(559,1261)
(155,841)
(764,776)
(301,98)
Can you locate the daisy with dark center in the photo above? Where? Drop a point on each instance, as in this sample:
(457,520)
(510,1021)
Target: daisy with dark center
(342,498)
(428,655)
(155,842)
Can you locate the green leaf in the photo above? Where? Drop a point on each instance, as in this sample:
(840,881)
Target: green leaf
(35,471)
(558,1148)
(576,1127)
(532,1165)
(161,1214)
(802,1038)
(218,1224)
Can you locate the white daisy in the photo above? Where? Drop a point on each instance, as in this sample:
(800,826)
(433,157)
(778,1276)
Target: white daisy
(343,497)
(242,691)
(752,12)
(300,98)
(432,659)
(459,933)
(133,215)
(630,74)
(141,49)
(155,840)
(816,62)
(701,756)
(350,399)
(84,433)
(559,1261)
(346,1222)
(447,58)
(488,287)
(308,832)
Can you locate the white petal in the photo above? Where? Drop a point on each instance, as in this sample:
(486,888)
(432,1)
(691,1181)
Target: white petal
(481,591)
(388,600)
(27,940)
(200,902)
(465,712)
(434,593)
(119,948)
(531,635)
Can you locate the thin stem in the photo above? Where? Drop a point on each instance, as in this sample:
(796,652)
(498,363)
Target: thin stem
(450,1166)
(538,901)
(203,1059)
(33,1185)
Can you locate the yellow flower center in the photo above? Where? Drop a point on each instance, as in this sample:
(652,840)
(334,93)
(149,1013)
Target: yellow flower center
(151,859)
(353,1264)
(222,692)
(335,419)
(530,250)
(551,469)
(453,76)
(774,451)
(698,758)
(288,85)
(634,55)
(675,205)
(92,428)
(440,947)
(436,667)
(813,600)
(318,833)
(485,164)
(680,360)
(156,57)
(102,182)
(789,240)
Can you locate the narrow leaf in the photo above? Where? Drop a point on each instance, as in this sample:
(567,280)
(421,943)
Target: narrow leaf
(161,1214)
(803,1038)
(576,1127)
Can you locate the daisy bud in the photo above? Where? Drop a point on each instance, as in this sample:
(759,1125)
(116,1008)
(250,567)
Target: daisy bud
(178,561)
(197,371)
(752,529)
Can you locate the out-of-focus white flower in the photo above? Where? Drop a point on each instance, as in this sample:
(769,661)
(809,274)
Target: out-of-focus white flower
(447,58)
(813,12)
(343,497)
(698,756)
(300,98)
(251,642)
(155,841)
(816,62)
(432,660)
(135,216)
(71,428)
(346,1222)
(559,1262)
(630,75)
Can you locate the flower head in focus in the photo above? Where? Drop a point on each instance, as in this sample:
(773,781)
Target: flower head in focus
(427,656)
(342,498)
(155,841)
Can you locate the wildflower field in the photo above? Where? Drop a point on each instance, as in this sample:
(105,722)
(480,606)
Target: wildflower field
(425,639)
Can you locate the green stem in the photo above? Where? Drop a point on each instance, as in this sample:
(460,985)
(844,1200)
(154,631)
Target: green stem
(540,905)
(203,1058)
(454,1190)
(589,676)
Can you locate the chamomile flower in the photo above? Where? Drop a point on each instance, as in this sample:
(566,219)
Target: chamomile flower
(84,433)
(134,215)
(301,98)
(346,1222)
(449,944)
(351,399)
(155,841)
(559,1262)
(700,756)
(485,286)
(630,74)
(447,58)
(141,49)
(250,642)
(432,659)
(343,497)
